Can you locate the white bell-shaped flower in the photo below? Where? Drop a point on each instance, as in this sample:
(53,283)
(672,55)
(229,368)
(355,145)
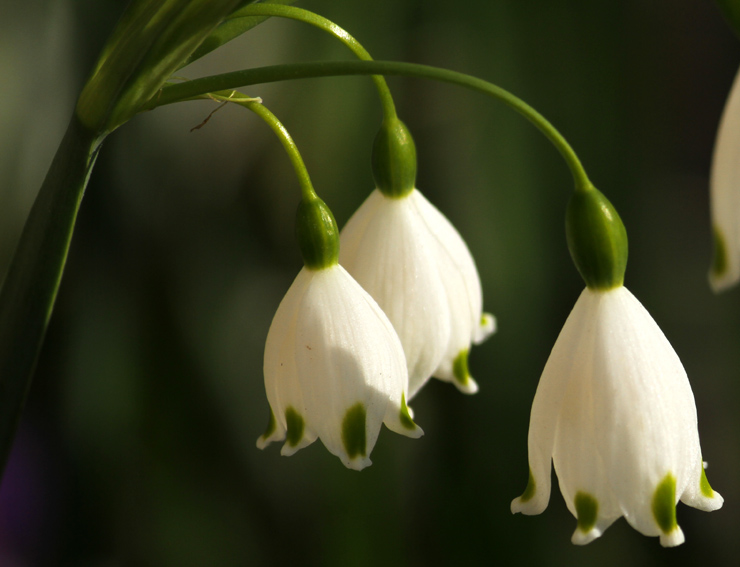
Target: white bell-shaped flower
(725,195)
(413,262)
(615,413)
(334,369)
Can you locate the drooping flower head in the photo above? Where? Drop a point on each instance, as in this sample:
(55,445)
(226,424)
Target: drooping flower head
(413,262)
(724,200)
(614,411)
(334,367)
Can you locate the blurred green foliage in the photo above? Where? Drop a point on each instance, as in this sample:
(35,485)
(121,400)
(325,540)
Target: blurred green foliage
(148,398)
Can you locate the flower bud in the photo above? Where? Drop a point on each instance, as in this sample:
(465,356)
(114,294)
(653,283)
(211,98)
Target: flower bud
(394,159)
(317,234)
(597,239)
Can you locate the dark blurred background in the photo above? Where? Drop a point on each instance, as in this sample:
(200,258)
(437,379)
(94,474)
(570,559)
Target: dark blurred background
(137,444)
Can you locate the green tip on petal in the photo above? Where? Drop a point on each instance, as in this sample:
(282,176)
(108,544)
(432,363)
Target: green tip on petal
(296,426)
(597,239)
(664,504)
(271,426)
(587,510)
(719,257)
(460,368)
(704,485)
(405,415)
(529,492)
(353,431)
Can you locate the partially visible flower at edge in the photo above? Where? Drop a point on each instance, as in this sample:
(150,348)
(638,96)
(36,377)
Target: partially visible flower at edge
(413,262)
(724,201)
(615,413)
(334,369)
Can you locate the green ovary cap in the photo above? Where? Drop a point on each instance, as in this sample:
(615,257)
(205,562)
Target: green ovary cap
(597,239)
(317,234)
(587,511)
(664,504)
(394,159)
(353,431)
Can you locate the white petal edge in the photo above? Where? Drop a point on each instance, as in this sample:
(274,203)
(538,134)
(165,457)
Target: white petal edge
(695,496)
(280,373)
(387,249)
(452,243)
(547,404)
(643,384)
(344,338)
(725,192)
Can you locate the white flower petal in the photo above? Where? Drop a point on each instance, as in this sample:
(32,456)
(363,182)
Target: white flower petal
(571,348)
(393,253)
(457,251)
(334,368)
(583,537)
(409,257)
(580,469)
(699,493)
(647,425)
(340,341)
(673,538)
(485,328)
(615,410)
(725,195)
(281,376)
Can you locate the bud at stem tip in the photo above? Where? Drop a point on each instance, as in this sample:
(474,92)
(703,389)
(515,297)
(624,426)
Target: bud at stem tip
(597,239)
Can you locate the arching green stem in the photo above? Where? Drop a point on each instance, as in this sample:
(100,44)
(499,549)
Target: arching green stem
(301,15)
(316,228)
(198,87)
(256,106)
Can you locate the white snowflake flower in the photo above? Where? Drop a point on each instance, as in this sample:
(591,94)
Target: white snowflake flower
(414,263)
(615,413)
(334,369)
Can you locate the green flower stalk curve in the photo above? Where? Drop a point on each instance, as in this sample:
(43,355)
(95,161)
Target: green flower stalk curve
(301,15)
(256,106)
(229,29)
(197,88)
(316,229)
